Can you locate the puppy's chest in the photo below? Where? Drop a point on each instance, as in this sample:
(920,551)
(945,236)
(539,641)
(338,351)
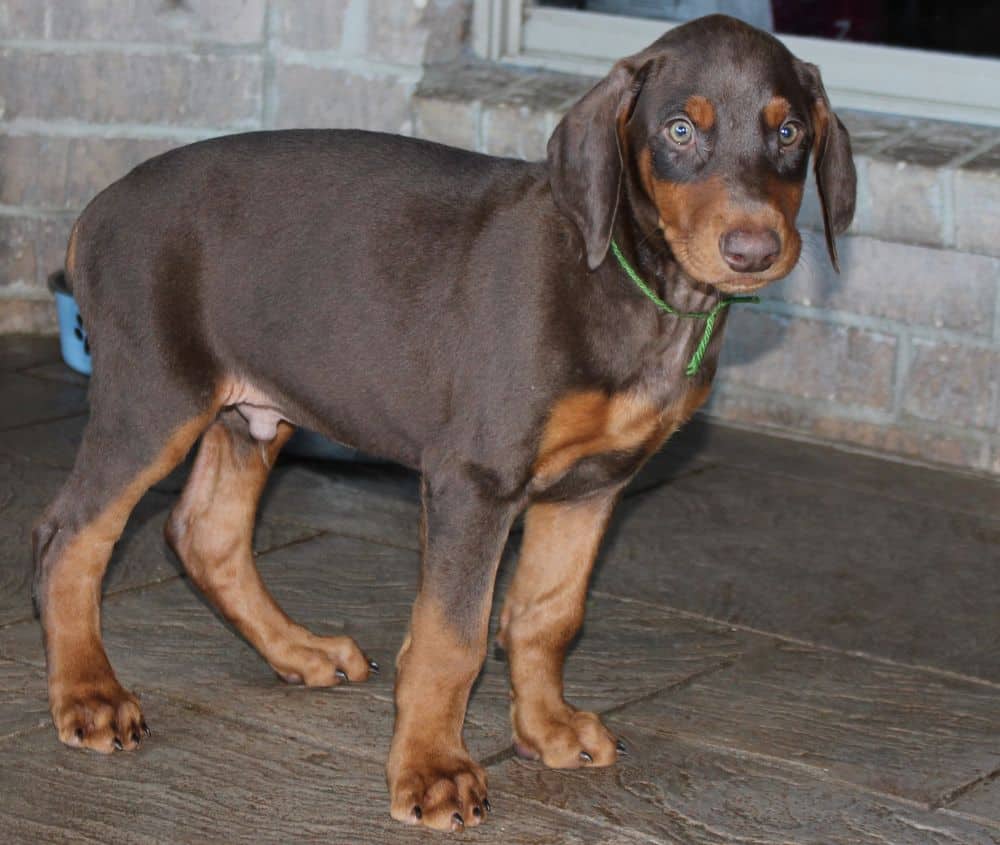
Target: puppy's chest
(593,439)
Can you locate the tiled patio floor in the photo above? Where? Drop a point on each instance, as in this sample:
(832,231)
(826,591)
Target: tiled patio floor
(798,646)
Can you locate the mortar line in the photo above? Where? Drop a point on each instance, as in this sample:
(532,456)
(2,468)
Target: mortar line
(73,128)
(196,49)
(983,146)
(904,356)
(269,73)
(880,325)
(817,408)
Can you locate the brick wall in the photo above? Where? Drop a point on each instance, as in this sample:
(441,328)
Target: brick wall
(900,354)
(89,88)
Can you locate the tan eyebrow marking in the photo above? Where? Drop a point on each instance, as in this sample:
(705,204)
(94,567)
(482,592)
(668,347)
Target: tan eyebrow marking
(776,112)
(701,112)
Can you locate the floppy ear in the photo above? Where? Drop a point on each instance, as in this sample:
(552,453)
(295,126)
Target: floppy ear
(833,165)
(585,156)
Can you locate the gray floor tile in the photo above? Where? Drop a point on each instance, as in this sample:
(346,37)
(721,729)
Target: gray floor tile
(982,801)
(168,639)
(50,444)
(723,445)
(57,371)
(19,351)
(374,503)
(673,791)
(888,728)
(837,566)
(23,704)
(736,736)
(28,400)
(208,779)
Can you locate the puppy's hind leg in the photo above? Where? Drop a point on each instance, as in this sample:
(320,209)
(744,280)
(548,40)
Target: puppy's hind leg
(211,530)
(128,445)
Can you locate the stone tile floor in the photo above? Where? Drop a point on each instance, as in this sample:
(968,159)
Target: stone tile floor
(797,644)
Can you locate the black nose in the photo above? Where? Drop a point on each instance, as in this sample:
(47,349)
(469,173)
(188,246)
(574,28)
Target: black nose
(750,252)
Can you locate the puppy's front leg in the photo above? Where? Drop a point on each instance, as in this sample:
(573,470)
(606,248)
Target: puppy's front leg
(432,779)
(543,612)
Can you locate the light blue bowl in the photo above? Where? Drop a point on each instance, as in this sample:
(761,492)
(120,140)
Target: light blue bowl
(72,336)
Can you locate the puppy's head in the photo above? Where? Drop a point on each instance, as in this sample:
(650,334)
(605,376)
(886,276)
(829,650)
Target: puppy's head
(714,125)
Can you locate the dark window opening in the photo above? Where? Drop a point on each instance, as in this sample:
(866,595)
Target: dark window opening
(970,27)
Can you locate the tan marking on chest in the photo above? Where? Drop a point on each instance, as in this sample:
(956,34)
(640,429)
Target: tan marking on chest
(591,422)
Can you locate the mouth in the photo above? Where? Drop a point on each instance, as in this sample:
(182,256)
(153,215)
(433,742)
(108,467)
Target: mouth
(742,284)
(706,270)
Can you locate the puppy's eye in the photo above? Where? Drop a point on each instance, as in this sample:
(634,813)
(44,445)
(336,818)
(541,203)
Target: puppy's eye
(789,133)
(680,131)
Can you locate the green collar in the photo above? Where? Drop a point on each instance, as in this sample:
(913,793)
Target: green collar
(708,316)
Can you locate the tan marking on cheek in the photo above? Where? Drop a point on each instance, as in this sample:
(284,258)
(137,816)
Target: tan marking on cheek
(701,112)
(786,197)
(682,208)
(776,112)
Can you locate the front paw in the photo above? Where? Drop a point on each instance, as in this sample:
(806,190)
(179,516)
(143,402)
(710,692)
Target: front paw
(441,790)
(564,739)
(98,714)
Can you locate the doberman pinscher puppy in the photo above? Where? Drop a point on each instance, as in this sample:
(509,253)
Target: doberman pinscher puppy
(458,313)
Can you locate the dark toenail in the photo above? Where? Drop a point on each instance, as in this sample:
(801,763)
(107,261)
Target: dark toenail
(499,654)
(78,733)
(118,744)
(476,811)
(340,673)
(373,665)
(621,747)
(418,812)
(487,805)
(457,818)
(586,757)
(136,738)
(146,730)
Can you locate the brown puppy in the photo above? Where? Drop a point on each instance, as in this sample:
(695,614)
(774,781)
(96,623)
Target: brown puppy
(454,312)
